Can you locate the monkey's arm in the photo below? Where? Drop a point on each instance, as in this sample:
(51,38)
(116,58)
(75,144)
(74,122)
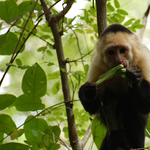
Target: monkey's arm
(89,97)
(140,91)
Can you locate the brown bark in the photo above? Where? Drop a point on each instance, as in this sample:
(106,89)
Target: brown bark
(101,15)
(54,25)
(145,20)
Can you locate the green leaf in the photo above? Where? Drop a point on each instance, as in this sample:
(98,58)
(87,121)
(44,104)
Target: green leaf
(139,26)
(23,67)
(132,29)
(95,28)
(71,40)
(51,137)
(86,68)
(79,30)
(148,128)
(122,12)
(14,146)
(1,137)
(8,43)
(7,125)
(98,131)
(50,64)
(34,83)
(29,25)
(9,11)
(56,88)
(34,129)
(137,22)
(6,100)
(27,6)
(129,22)
(65,130)
(109,74)
(53,75)
(119,17)
(53,132)
(49,53)
(110,8)
(89,31)
(26,103)
(18,62)
(116,3)
(86,16)
(42,49)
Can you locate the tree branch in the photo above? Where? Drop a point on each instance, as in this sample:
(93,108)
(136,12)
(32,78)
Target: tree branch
(87,135)
(145,20)
(14,55)
(110,116)
(54,25)
(101,15)
(69,4)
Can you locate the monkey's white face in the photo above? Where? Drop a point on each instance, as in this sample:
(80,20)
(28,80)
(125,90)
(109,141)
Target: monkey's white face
(116,55)
(116,49)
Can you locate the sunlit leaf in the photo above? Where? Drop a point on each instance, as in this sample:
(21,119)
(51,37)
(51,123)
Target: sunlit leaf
(14,146)
(14,134)
(121,11)
(110,8)
(7,125)
(9,11)
(116,3)
(54,133)
(129,22)
(26,103)
(18,62)
(34,129)
(8,43)
(98,131)
(6,100)
(27,6)
(34,82)
(86,16)
(53,75)
(56,88)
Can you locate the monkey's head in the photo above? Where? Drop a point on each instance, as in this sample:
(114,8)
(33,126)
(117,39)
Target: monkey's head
(118,45)
(115,46)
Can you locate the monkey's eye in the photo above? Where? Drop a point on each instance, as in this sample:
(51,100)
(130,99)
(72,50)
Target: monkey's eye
(122,50)
(111,52)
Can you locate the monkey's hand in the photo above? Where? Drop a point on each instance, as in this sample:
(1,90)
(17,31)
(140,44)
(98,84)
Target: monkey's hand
(134,74)
(89,91)
(89,97)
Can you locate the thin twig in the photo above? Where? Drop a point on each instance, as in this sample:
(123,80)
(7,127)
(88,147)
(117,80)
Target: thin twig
(21,34)
(145,21)
(55,28)
(78,45)
(12,59)
(38,114)
(87,135)
(70,61)
(69,3)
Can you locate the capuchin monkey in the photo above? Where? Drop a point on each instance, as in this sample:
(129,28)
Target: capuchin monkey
(129,106)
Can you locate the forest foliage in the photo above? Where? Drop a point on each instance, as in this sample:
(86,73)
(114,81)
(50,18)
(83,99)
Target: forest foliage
(32,106)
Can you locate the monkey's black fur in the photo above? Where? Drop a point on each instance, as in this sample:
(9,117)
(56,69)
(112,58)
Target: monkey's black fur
(131,110)
(131,107)
(115,28)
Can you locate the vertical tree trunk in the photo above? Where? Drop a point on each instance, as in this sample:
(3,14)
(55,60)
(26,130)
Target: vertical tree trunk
(101,15)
